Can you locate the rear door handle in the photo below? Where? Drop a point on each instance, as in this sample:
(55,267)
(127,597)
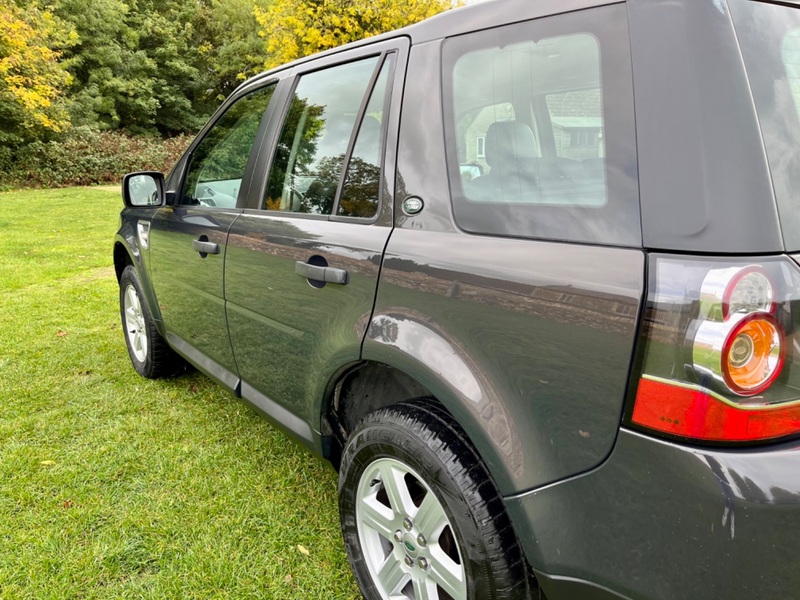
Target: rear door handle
(316,273)
(205,247)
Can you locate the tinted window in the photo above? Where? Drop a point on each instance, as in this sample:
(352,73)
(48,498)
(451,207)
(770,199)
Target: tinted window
(361,191)
(540,132)
(313,143)
(218,161)
(770,39)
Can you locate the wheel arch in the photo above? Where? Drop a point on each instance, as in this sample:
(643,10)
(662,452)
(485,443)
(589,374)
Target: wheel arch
(122,258)
(126,254)
(373,384)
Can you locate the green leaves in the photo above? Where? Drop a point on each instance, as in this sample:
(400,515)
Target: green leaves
(158,66)
(142,65)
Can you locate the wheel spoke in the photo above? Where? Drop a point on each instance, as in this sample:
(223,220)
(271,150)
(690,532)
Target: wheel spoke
(140,341)
(430,518)
(396,489)
(392,576)
(448,574)
(133,299)
(372,515)
(425,589)
(134,323)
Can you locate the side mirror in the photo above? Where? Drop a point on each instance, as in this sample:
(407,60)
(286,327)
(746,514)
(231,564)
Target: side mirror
(143,189)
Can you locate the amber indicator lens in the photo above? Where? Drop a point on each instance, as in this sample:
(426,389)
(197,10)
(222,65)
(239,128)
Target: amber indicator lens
(753,354)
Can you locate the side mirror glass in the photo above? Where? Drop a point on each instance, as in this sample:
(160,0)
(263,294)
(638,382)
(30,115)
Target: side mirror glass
(144,189)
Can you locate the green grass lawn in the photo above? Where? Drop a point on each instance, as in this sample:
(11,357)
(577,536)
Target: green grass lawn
(113,486)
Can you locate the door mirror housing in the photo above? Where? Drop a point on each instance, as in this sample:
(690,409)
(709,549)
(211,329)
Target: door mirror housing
(143,189)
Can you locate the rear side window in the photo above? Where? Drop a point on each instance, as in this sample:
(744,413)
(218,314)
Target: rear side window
(362,183)
(540,136)
(334,114)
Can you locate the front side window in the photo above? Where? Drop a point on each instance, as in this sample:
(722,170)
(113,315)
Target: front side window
(218,162)
(316,132)
(540,129)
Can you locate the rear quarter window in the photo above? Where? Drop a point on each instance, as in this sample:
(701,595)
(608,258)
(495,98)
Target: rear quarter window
(540,134)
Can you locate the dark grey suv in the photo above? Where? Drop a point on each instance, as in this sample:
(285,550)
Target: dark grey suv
(526,274)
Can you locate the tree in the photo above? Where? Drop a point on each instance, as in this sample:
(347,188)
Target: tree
(134,65)
(296,28)
(231,49)
(32,76)
(158,65)
(111,78)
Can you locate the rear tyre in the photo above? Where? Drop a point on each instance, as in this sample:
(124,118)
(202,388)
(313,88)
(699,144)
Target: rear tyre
(150,354)
(421,517)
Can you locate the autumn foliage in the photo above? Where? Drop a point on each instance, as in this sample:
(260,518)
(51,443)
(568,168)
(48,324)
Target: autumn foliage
(32,79)
(296,28)
(82,82)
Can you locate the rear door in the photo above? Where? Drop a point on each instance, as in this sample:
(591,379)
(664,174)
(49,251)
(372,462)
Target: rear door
(188,238)
(303,259)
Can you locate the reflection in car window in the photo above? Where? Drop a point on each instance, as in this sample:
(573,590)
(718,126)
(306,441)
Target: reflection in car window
(563,164)
(311,150)
(769,36)
(361,190)
(540,136)
(790,54)
(218,161)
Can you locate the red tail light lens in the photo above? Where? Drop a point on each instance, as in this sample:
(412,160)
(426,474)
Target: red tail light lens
(718,352)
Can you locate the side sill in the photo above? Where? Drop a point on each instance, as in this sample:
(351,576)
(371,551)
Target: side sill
(281,417)
(203,363)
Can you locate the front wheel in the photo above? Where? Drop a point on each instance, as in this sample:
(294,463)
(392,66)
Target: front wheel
(421,517)
(150,354)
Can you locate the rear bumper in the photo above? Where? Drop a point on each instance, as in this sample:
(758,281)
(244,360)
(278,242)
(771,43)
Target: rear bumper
(663,521)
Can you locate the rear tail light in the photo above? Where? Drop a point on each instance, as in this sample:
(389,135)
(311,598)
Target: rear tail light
(718,350)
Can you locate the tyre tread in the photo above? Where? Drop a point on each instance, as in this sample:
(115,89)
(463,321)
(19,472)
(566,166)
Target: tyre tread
(434,427)
(161,360)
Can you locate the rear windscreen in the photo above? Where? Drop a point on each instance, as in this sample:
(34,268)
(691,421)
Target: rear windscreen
(769,36)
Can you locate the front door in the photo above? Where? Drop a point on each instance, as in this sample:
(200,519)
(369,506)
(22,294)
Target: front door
(188,238)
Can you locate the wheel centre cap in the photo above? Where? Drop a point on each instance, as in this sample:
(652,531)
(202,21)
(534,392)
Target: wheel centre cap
(410,545)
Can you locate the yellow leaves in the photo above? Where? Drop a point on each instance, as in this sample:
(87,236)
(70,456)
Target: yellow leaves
(296,28)
(30,74)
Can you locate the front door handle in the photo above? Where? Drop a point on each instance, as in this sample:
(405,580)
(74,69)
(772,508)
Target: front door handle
(317,273)
(204,247)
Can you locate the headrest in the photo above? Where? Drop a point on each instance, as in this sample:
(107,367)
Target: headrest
(509,141)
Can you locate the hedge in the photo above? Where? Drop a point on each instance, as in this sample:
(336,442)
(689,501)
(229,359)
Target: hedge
(87,157)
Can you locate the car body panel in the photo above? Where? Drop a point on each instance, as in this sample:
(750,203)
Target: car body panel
(189,286)
(528,344)
(704,179)
(129,250)
(660,520)
(288,336)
